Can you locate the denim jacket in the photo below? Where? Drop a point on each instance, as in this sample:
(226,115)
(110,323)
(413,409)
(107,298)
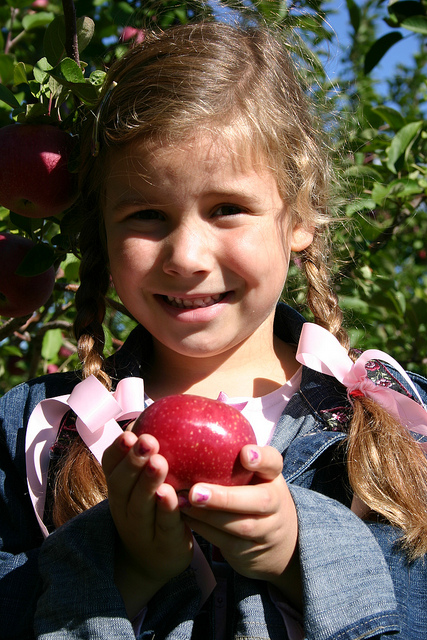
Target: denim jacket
(356,581)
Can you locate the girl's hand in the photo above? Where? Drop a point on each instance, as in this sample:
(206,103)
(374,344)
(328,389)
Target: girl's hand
(155,543)
(254,526)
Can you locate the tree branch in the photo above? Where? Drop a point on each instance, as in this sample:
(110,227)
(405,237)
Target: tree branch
(9,327)
(71,42)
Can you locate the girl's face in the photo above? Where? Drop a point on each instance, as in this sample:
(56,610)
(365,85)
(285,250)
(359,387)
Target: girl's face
(199,244)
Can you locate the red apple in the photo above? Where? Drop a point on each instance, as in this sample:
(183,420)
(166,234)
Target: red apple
(34,177)
(200,438)
(20,295)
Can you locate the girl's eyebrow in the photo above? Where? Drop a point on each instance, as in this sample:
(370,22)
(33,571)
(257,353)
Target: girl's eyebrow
(140,198)
(123,203)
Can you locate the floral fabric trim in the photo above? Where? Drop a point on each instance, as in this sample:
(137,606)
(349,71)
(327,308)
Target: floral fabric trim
(339,418)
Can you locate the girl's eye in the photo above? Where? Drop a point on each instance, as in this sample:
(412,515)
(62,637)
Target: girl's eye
(228,210)
(148,214)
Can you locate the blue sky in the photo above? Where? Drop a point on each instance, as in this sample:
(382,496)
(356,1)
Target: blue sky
(400,52)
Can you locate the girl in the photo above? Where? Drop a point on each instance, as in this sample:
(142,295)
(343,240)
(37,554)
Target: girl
(199,177)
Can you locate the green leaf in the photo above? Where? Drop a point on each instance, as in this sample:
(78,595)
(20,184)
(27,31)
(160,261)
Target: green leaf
(71,266)
(19,74)
(379,49)
(52,342)
(397,189)
(380,193)
(404,8)
(41,69)
(354,304)
(86,92)
(70,71)
(85,31)
(359,205)
(401,142)
(54,40)
(418,24)
(7,63)
(35,20)
(363,170)
(8,97)
(398,300)
(38,260)
(97,78)
(22,222)
(354,13)
(391,116)
(18,4)
(35,111)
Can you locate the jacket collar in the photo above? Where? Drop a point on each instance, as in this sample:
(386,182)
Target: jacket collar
(321,392)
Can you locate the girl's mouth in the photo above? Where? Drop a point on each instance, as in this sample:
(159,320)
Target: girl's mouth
(193,303)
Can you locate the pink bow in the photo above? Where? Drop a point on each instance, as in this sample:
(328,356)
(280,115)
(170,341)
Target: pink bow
(318,349)
(97,413)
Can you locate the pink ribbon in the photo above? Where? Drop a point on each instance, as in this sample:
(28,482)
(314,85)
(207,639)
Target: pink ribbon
(97,413)
(318,349)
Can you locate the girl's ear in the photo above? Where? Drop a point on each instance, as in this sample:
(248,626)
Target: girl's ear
(301,237)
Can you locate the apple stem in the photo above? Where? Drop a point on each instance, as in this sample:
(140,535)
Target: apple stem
(71,42)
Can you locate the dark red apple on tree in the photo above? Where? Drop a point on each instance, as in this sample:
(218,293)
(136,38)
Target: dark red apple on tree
(200,438)
(35,180)
(20,295)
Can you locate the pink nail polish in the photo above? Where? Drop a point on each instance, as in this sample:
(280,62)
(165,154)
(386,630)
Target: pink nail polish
(124,445)
(202,495)
(254,455)
(142,449)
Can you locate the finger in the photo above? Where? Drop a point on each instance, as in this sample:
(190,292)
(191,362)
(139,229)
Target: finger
(126,473)
(215,535)
(142,497)
(168,516)
(117,451)
(265,462)
(258,499)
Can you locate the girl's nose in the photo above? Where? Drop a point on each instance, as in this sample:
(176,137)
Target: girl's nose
(188,251)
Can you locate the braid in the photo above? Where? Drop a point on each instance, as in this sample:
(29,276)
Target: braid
(387,469)
(90,304)
(321,298)
(80,482)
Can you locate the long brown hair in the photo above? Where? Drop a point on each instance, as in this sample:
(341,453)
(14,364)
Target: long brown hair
(239,84)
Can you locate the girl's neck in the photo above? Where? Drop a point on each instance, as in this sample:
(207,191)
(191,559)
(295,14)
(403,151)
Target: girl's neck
(238,374)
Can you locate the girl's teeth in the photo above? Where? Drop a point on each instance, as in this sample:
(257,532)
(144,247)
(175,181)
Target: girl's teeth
(195,303)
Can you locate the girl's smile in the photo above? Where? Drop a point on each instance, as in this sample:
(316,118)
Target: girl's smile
(199,244)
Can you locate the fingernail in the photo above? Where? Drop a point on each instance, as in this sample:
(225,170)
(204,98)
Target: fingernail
(142,449)
(150,470)
(202,495)
(125,446)
(253,455)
